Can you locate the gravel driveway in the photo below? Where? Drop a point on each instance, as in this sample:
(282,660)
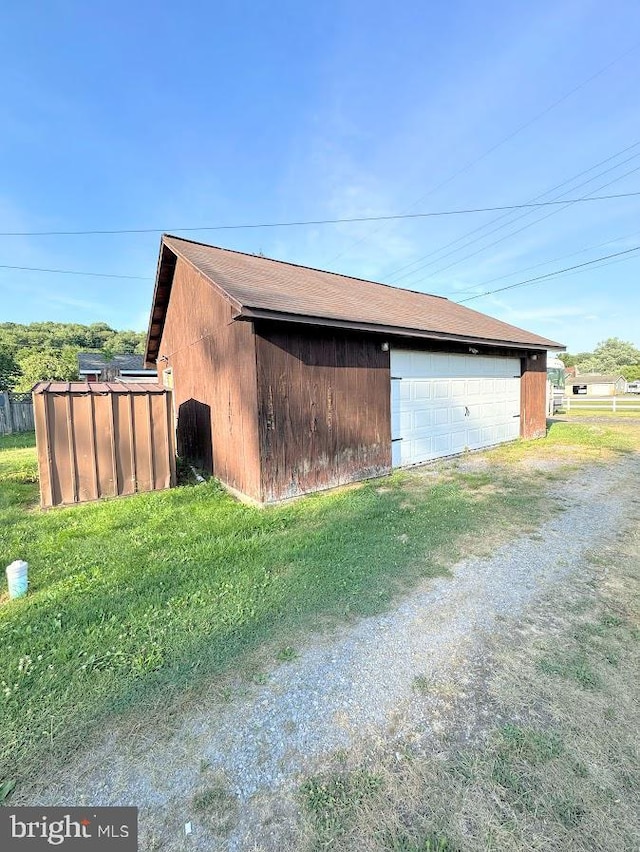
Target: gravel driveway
(354,686)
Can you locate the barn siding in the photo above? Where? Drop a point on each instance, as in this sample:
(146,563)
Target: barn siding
(213,365)
(533,397)
(323,409)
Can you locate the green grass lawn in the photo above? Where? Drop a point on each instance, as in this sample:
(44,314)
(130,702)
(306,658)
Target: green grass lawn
(556,764)
(133,600)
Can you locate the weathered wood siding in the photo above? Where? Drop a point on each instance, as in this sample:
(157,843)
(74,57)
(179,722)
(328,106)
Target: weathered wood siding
(213,365)
(533,397)
(16,413)
(323,409)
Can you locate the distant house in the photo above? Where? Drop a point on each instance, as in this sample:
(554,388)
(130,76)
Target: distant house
(591,384)
(94,367)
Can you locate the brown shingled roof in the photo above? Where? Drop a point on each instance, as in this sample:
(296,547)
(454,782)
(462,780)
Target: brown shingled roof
(259,287)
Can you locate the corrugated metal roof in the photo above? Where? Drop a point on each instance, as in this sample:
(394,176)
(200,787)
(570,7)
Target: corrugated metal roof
(259,286)
(98,387)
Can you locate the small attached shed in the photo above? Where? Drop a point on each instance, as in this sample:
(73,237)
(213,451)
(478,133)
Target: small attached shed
(100,439)
(288,379)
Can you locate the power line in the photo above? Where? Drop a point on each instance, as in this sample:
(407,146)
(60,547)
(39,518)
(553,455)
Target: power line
(505,139)
(76,272)
(530,281)
(454,292)
(418,261)
(567,202)
(427,215)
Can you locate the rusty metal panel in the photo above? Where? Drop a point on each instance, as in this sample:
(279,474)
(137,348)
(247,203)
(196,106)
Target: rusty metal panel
(102,440)
(324,410)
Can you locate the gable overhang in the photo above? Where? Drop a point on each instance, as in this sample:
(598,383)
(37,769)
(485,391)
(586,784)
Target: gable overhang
(167,262)
(162,291)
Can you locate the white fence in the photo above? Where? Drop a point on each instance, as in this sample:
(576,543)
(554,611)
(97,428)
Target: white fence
(601,403)
(16,413)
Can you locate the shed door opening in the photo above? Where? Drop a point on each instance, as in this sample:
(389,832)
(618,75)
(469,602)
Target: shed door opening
(443,404)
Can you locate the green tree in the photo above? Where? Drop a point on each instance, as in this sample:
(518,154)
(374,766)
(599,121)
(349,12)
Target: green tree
(48,364)
(610,356)
(126,343)
(631,372)
(45,337)
(9,369)
(568,359)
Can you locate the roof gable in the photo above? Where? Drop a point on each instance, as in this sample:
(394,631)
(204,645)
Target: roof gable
(594,379)
(258,287)
(96,361)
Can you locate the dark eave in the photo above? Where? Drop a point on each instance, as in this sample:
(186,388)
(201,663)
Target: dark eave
(261,314)
(164,279)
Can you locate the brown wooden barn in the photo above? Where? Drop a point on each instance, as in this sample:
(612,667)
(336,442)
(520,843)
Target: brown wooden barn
(288,380)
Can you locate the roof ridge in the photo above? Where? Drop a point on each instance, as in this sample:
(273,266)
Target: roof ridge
(304,266)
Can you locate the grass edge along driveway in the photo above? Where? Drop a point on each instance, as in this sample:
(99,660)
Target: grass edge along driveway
(134,601)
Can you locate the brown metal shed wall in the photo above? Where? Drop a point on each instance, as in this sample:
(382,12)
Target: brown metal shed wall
(94,441)
(533,397)
(323,409)
(213,362)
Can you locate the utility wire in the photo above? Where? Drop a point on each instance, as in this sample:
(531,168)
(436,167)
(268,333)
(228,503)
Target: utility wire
(456,292)
(530,281)
(426,215)
(75,272)
(566,202)
(504,140)
(418,261)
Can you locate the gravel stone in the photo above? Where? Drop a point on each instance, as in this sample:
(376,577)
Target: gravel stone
(357,685)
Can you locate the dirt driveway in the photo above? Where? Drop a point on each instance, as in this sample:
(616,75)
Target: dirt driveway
(413,678)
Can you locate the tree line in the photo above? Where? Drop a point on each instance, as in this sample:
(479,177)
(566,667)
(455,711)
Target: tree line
(49,350)
(610,356)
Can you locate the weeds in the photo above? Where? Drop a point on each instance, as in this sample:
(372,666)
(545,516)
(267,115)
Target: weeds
(332,802)
(287,654)
(422,683)
(217,807)
(576,666)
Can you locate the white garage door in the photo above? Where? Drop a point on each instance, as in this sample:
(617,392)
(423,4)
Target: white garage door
(444,404)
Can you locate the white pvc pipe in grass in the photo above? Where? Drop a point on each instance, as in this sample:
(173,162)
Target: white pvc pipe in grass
(17,578)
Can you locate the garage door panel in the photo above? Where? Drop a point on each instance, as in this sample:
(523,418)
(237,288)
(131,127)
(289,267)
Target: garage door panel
(442,445)
(405,390)
(441,417)
(423,419)
(444,404)
(458,414)
(406,421)
(458,441)
(442,390)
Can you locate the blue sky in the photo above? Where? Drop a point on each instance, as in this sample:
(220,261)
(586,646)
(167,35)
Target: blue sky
(152,115)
